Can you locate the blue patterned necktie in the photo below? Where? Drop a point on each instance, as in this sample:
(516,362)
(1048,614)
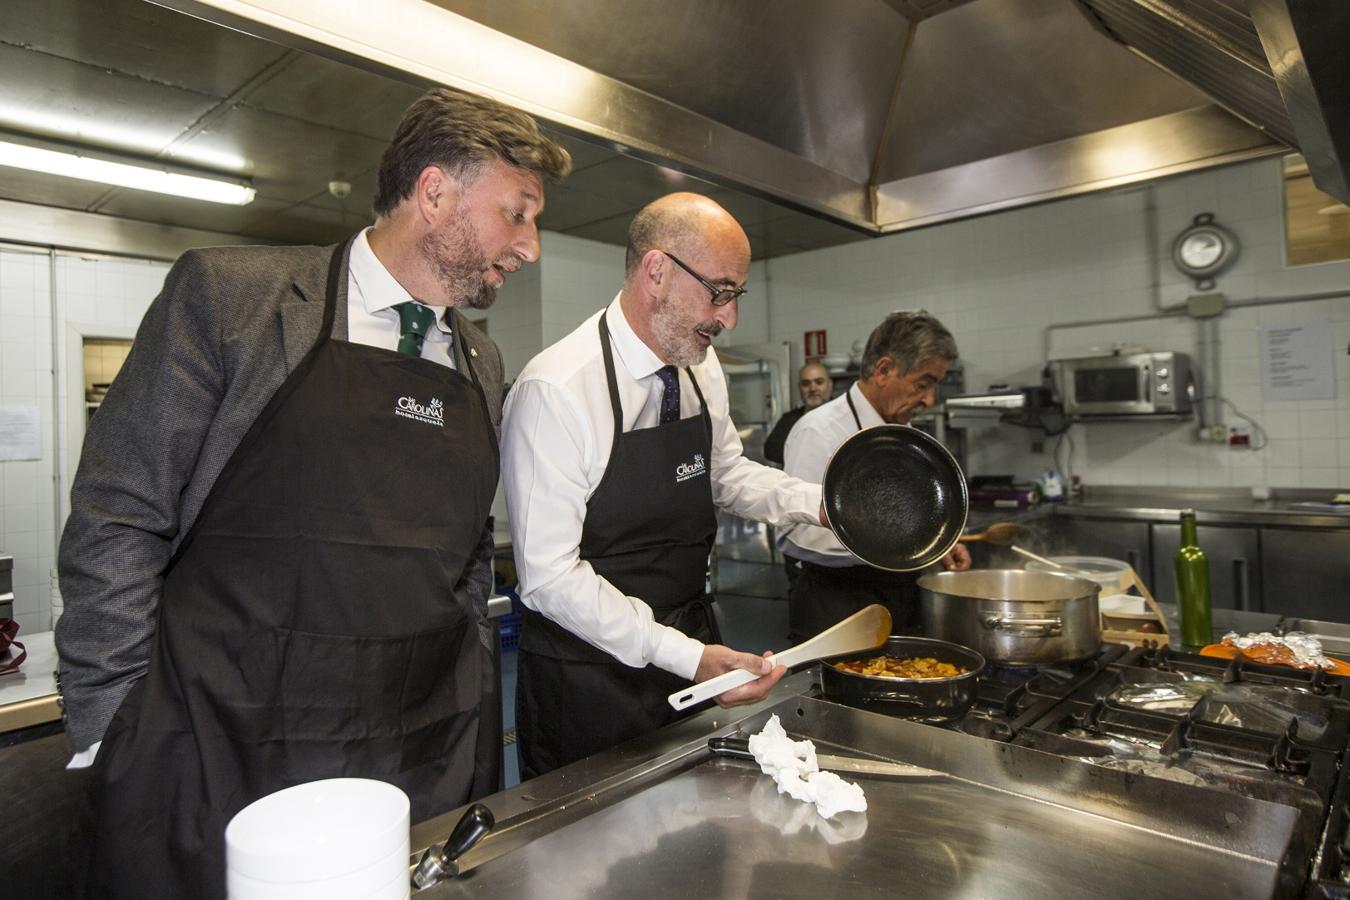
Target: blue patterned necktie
(414,319)
(670,400)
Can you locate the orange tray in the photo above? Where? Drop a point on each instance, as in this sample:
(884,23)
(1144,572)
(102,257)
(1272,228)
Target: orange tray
(1225,651)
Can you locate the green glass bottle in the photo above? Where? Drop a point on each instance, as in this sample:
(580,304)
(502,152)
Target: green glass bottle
(1192,584)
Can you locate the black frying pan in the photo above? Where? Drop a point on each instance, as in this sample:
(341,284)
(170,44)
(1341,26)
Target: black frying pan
(926,699)
(895,497)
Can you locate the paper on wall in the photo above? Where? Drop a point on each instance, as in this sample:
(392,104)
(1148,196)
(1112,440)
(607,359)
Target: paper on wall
(1298,362)
(20,433)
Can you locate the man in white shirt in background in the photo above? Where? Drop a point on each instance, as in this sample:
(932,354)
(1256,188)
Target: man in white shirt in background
(906,358)
(617,449)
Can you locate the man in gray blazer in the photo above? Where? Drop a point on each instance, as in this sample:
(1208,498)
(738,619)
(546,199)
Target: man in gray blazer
(276,566)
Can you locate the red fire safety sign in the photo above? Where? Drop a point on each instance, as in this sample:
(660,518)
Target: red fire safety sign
(814,343)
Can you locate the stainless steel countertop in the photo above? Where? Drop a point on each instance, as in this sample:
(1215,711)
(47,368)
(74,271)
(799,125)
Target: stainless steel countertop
(28,696)
(661,817)
(1216,506)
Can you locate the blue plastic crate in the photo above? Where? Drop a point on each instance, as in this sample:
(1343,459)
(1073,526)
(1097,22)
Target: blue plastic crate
(508,626)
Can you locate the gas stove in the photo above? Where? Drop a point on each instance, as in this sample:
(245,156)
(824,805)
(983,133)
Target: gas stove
(1265,732)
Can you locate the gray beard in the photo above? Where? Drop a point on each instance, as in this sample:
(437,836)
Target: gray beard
(679,347)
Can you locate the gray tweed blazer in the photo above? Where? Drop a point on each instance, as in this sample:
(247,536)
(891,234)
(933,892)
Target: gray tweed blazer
(228,327)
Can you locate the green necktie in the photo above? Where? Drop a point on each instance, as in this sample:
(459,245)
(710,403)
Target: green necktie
(414,319)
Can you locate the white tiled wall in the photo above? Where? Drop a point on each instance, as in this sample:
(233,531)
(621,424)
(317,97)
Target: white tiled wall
(999,281)
(514,320)
(580,277)
(91,295)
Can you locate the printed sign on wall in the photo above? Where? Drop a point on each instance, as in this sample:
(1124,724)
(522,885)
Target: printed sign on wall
(1297,362)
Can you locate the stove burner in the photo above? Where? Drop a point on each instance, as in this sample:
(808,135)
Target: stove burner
(1006,675)
(1268,732)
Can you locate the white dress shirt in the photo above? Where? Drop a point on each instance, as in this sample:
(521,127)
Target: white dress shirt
(371,319)
(810,445)
(371,294)
(557,433)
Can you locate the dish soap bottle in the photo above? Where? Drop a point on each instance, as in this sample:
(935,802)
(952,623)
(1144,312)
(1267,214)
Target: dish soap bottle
(1192,582)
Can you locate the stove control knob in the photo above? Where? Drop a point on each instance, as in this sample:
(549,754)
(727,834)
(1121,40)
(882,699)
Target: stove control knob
(1162,373)
(1164,389)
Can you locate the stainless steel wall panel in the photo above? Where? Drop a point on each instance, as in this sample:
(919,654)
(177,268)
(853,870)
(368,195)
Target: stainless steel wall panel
(812,78)
(47,96)
(323,92)
(1213,45)
(1168,145)
(999,76)
(1305,43)
(141,39)
(46,226)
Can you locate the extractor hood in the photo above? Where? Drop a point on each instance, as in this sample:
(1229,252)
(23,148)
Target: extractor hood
(880,114)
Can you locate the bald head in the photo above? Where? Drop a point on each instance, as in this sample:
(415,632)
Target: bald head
(686,269)
(683,224)
(815,384)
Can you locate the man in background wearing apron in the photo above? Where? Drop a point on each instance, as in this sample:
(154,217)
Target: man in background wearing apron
(906,358)
(617,450)
(276,566)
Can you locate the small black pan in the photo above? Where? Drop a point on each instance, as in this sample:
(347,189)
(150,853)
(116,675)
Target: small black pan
(895,497)
(934,700)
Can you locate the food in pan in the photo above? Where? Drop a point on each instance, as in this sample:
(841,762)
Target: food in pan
(1302,651)
(910,667)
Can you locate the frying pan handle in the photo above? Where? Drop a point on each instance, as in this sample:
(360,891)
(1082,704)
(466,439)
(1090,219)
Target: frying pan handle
(1047,626)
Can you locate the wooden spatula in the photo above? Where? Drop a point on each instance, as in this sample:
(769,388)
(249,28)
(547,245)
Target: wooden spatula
(998,533)
(866,629)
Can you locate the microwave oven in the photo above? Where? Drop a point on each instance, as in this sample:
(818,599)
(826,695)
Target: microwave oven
(1127,384)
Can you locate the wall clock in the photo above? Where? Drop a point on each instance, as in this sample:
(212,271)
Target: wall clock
(1204,250)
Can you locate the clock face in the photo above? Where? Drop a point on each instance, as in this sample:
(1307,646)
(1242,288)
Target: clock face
(1201,250)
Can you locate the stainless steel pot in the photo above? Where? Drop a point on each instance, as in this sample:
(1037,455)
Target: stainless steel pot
(1012,617)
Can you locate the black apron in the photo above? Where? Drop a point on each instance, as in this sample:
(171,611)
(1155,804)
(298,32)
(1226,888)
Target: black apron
(315,622)
(649,529)
(820,596)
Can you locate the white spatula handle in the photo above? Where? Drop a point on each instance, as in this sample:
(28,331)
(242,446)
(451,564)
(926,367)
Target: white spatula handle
(706,690)
(863,630)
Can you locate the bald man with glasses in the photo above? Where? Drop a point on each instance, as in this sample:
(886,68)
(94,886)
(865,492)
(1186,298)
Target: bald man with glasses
(617,451)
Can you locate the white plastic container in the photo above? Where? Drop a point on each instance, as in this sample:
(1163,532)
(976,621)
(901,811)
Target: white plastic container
(342,838)
(373,880)
(1111,574)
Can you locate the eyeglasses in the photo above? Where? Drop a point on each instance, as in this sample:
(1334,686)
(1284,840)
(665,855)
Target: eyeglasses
(720,296)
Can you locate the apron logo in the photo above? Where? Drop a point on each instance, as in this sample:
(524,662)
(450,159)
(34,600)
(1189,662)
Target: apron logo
(685,471)
(432,414)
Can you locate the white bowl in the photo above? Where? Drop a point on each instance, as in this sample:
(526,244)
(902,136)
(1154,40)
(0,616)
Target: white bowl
(318,830)
(373,880)
(835,363)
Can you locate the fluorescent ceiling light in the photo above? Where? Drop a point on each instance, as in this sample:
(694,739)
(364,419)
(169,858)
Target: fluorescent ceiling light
(87,168)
